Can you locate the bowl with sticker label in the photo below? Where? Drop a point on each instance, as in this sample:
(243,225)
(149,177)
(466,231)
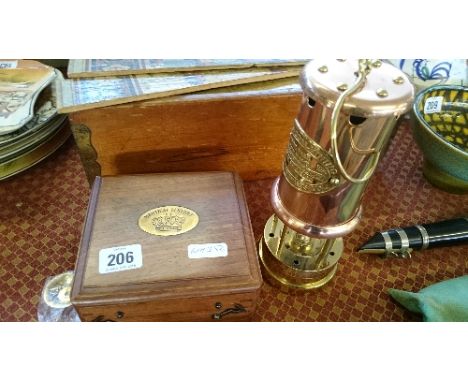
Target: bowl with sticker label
(440,127)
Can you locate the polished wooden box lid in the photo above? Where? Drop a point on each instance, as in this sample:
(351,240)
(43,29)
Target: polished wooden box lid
(120,207)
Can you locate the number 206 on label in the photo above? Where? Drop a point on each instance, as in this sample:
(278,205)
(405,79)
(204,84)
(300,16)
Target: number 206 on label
(123,258)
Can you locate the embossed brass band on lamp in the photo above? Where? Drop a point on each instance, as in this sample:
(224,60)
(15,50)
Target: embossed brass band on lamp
(345,121)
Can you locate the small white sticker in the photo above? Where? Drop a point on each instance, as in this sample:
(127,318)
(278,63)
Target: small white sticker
(433,105)
(123,258)
(8,64)
(200,251)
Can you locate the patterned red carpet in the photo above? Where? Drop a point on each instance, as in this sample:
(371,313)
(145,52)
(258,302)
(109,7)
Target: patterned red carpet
(42,212)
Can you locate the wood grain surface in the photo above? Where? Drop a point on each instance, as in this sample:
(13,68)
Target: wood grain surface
(245,130)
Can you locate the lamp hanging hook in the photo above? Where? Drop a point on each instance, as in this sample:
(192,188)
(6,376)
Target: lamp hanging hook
(365,67)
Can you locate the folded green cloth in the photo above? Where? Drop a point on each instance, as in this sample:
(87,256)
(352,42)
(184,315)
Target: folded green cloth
(443,301)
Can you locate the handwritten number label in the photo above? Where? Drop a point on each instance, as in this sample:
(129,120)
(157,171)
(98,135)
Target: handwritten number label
(8,64)
(117,259)
(433,105)
(200,251)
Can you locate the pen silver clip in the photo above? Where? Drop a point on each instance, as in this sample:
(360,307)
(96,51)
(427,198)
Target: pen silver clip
(404,253)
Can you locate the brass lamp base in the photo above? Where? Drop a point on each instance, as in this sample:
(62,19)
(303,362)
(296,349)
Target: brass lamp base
(295,260)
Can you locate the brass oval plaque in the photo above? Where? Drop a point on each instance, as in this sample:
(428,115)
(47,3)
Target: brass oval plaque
(168,221)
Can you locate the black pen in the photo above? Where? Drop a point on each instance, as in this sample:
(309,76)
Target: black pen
(400,242)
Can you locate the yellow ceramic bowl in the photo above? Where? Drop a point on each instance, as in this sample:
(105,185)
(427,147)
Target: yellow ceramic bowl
(440,127)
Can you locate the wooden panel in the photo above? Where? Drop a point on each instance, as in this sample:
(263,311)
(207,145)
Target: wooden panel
(123,200)
(246,132)
(194,309)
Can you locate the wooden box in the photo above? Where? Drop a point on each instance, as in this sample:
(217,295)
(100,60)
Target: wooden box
(186,272)
(244,129)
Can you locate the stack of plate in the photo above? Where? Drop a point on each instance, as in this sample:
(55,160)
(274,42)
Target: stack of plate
(26,141)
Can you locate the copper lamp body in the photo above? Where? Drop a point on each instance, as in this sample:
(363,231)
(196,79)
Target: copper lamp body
(346,118)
